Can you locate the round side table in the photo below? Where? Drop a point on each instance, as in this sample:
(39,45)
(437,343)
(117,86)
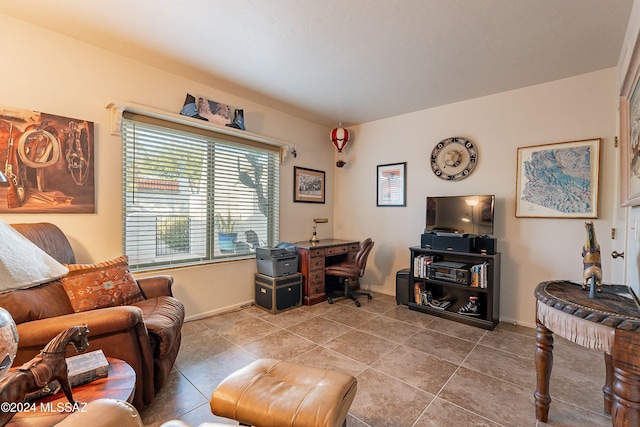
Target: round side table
(120,383)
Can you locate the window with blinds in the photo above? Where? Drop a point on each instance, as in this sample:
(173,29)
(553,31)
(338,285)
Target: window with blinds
(192,196)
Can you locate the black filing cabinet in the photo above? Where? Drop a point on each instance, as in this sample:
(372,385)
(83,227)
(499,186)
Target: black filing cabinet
(276,294)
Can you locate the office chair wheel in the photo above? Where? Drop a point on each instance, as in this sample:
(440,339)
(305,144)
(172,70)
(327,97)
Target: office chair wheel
(369,297)
(358,303)
(329,299)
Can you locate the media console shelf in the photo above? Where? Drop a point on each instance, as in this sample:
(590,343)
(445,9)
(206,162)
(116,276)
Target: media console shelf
(458,293)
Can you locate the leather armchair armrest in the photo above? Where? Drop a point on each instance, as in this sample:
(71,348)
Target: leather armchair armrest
(155,286)
(104,321)
(104,413)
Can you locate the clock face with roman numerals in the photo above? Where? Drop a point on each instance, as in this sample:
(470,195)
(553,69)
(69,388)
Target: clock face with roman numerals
(454,158)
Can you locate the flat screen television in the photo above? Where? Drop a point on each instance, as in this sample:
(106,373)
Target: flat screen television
(459,215)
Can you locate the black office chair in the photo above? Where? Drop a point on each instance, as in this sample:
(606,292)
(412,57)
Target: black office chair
(351,271)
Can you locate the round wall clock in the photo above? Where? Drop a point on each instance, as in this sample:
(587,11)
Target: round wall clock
(454,159)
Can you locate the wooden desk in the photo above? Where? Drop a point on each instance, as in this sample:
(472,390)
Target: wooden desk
(119,384)
(609,323)
(314,257)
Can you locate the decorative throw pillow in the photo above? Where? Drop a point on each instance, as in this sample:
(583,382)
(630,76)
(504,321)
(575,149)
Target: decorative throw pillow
(105,284)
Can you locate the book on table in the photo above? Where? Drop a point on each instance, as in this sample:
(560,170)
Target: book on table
(83,369)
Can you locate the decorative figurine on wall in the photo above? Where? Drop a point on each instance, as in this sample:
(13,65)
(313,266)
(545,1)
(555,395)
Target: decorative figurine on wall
(592,274)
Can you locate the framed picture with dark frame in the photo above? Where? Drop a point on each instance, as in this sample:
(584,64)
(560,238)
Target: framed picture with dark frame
(308,185)
(392,184)
(558,180)
(630,132)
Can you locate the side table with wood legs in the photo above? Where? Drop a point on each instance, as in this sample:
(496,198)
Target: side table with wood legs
(609,323)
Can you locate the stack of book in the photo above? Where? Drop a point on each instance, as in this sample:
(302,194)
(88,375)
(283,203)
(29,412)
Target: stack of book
(418,291)
(479,275)
(420,263)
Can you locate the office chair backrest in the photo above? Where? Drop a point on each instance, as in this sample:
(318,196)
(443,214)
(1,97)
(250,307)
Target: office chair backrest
(363,254)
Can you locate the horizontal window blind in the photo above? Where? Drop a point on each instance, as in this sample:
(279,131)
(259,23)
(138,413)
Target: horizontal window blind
(193,196)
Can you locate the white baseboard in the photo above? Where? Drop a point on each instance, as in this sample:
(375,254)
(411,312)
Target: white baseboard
(210,313)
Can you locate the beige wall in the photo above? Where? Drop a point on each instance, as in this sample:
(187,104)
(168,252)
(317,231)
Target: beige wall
(54,74)
(533,250)
(46,72)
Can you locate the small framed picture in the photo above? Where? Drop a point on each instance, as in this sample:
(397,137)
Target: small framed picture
(308,185)
(558,180)
(392,184)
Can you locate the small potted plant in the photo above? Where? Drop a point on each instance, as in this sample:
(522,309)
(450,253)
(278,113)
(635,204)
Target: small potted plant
(227,236)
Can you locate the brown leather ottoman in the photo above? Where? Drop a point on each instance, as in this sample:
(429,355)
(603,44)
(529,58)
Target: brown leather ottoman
(272,393)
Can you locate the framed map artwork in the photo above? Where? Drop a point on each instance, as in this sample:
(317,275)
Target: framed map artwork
(558,180)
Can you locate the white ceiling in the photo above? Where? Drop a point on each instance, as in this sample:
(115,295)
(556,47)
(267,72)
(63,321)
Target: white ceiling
(349,61)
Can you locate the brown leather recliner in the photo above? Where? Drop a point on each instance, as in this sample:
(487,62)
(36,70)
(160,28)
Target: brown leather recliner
(145,334)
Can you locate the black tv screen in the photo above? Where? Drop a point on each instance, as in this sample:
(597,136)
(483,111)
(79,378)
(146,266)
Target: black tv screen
(460,215)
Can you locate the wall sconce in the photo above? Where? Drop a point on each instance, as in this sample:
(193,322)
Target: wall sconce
(340,138)
(316,221)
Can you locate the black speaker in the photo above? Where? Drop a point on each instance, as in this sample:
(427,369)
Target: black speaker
(402,286)
(426,240)
(454,244)
(485,245)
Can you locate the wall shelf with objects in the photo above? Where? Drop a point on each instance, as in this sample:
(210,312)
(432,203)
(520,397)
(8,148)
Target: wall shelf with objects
(459,286)
(118,107)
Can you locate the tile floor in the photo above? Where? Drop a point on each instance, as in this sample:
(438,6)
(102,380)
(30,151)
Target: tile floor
(413,369)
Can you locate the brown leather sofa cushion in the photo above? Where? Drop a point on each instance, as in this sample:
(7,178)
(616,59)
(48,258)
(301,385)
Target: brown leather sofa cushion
(40,302)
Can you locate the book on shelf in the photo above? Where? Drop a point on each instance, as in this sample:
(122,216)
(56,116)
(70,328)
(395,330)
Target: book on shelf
(418,289)
(479,275)
(420,264)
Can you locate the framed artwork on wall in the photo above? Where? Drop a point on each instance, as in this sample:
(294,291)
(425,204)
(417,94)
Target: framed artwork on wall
(308,185)
(392,185)
(46,163)
(558,180)
(630,133)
